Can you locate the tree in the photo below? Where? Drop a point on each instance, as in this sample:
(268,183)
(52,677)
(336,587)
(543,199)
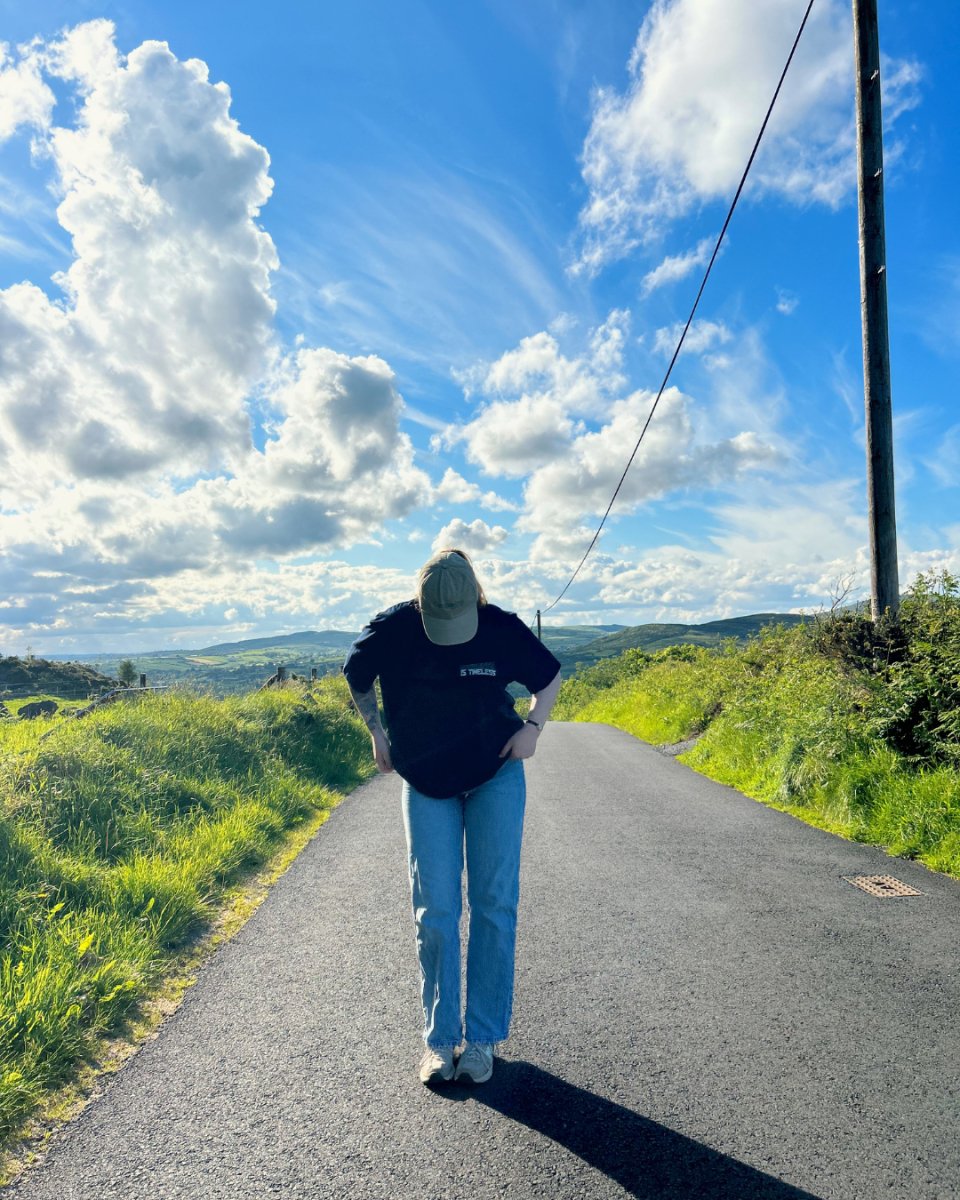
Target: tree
(126,672)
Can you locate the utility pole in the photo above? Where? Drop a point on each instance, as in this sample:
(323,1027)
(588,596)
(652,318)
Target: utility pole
(539,627)
(885,586)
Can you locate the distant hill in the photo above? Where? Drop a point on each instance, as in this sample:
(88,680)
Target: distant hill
(243,665)
(658,637)
(336,641)
(565,638)
(37,676)
(240,666)
(326,640)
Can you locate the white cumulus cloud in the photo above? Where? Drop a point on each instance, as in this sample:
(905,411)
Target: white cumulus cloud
(153,434)
(165,320)
(25,99)
(454,489)
(564,425)
(582,481)
(536,396)
(476,537)
(702,73)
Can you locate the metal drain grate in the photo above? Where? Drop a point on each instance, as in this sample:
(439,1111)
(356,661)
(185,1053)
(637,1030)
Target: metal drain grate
(881,885)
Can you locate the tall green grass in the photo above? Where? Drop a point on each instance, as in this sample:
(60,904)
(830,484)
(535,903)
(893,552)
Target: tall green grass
(119,835)
(848,725)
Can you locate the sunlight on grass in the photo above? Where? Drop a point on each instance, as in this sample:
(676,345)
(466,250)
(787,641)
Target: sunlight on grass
(120,835)
(847,726)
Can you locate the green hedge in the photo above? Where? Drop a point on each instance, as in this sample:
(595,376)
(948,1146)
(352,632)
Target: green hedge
(851,725)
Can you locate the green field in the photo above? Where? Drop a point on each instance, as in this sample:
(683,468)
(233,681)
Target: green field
(658,637)
(236,667)
(232,668)
(224,669)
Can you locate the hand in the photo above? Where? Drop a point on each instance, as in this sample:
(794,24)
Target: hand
(381,752)
(523,744)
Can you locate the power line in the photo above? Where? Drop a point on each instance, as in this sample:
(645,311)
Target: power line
(703,284)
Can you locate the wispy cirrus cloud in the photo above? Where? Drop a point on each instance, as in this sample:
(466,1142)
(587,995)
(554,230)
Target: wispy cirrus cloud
(422,247)
(701,336)
(676,267)
(944,463)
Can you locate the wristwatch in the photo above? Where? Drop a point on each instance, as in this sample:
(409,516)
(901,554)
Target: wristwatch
(535,724)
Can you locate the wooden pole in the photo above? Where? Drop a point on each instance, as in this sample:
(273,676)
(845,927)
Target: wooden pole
(539,629)
(885,586)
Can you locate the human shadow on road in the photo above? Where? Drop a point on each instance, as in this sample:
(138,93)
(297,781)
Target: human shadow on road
(648,1160)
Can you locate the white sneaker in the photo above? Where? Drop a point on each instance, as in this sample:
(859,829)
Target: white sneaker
(436,1065)
(475,1063)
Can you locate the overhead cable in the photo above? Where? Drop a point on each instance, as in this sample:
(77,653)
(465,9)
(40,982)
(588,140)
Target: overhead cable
(686,328)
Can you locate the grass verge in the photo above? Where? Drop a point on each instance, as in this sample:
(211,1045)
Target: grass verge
(847,726)
(132,843)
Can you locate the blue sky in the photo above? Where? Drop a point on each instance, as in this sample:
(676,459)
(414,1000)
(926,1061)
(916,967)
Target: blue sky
(287,301)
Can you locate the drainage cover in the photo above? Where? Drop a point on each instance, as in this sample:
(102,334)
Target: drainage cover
(881,885)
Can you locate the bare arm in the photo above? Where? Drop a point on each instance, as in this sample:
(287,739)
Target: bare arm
(369,710)
(523,744)
(543,701)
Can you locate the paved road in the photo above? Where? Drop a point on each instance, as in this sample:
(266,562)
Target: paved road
(704,1009)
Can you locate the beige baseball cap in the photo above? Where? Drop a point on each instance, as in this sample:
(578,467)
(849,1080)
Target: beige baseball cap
(448,594)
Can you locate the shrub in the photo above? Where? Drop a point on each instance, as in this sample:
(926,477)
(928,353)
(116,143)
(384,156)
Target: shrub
(852,724)
(918,698)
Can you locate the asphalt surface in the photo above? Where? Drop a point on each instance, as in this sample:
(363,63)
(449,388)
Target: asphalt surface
(704,1009)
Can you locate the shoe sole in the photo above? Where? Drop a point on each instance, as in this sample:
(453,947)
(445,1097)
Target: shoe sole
(466,1077)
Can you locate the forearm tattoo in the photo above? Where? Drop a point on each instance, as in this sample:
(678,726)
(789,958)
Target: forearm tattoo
(368,708)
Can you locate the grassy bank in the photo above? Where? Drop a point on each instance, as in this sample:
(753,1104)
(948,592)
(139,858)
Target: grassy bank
(850,726)
(120,837)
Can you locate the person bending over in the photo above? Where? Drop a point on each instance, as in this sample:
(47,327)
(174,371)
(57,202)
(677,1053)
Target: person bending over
(444,660)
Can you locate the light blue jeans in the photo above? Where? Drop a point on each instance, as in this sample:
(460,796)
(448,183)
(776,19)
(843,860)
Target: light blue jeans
(489,821)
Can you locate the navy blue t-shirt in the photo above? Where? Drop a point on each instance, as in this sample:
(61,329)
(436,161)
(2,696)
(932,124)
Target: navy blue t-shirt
(447,709)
